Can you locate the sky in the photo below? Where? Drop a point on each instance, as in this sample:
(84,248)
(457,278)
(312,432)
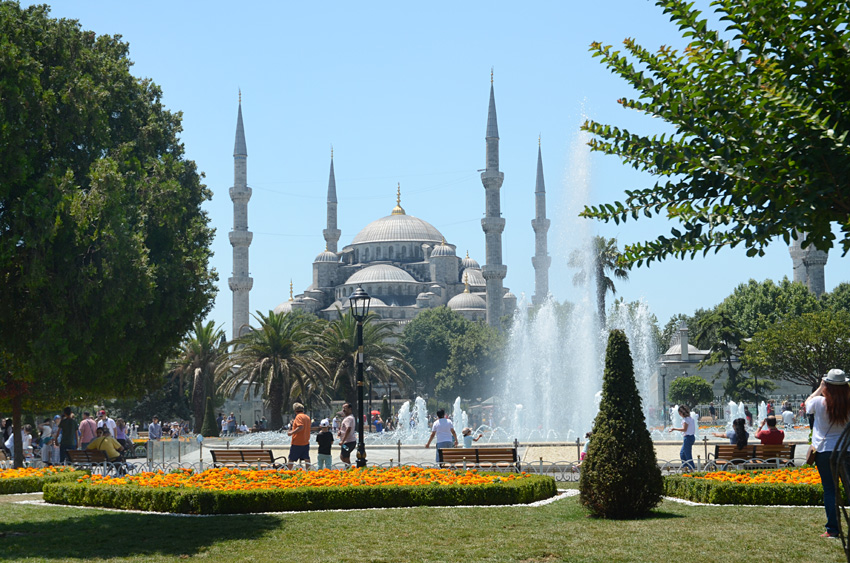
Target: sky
(400,91)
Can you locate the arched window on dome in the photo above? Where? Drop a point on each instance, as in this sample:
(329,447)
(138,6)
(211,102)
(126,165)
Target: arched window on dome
(356,255)
(403,252)
(390,253)
(378,253)
(366,254)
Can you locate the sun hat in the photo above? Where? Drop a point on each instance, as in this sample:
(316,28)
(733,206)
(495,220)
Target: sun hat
(836,377)
(467,431)
(324,423)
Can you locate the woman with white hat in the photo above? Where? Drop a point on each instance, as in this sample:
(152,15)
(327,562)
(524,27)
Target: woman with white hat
(830,403)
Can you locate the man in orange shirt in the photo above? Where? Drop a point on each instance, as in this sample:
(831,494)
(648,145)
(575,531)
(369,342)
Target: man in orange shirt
(300,433)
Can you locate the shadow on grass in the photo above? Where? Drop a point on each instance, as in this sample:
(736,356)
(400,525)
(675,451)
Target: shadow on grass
(103,535)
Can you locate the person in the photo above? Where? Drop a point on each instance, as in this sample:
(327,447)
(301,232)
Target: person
(788,418)
(67,434)
(379,424)
(444,431)
(713,412)
(231,425)
(347,435)
(104,420)
(587,438)
(771,436)
(326,441)
(110,447)
(830,406)
(689,436)
(738,435)
(748,415)
(335,424)
(121,433)
(300,434)
(223,425)
(218,420)
(47,442)
(26,442)
(264,424)
(155,429)
(87,431)
(468,439)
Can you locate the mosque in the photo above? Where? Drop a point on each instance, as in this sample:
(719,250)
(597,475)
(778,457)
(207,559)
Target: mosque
(403,262)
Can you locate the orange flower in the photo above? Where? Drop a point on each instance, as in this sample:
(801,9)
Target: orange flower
(34,472)
(789,475)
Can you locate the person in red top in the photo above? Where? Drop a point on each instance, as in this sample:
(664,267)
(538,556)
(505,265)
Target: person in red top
(771,436)
(300,433)
(87,431)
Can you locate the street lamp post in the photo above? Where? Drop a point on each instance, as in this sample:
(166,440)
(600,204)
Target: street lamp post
(663,371)
(360,302)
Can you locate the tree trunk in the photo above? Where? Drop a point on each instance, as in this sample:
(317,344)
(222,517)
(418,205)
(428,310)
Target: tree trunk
(18,445)
(276,404)
(600,296)
(199,399)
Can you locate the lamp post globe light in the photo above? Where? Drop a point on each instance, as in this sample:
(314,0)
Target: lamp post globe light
(360,302)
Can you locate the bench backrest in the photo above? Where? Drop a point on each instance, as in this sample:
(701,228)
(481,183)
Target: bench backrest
(478,455)
(242,456)
(757,451)
(731,451)
(86,456)
(770,451)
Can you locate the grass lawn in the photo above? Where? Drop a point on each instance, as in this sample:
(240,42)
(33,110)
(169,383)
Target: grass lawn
(558,532)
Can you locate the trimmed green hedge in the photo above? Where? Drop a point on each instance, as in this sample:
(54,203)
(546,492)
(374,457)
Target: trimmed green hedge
(35,484)
(722,492)
(188,501)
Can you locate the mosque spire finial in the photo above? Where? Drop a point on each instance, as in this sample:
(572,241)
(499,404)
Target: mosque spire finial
(465,283)
(398,209)
(240,96)
(491,75)
(290,290)
(332,152)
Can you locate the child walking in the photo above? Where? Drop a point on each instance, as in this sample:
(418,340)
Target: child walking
(325,440)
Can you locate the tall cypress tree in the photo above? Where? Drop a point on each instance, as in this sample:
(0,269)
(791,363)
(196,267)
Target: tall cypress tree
(210,428)
(620,477)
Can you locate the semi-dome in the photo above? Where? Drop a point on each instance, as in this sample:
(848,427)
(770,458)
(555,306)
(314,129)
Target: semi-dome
(474,277)
(443,249)
(285,307)
(326,256)
(380,273)
(465,301)
(398,228)
(373,302)
(509,295)
(469,263)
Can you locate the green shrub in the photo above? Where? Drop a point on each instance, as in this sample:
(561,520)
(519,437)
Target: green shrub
(620,477)
(724,492)
(210,429)
(529,489)
(35,484)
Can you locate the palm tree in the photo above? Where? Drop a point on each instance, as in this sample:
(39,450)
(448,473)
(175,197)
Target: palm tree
(339,348)
(605,261)
(281,355)
(200,354)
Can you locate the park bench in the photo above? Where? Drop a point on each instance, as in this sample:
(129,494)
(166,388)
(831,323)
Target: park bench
(480,458)
(246,458)
(91,459)
(753,456)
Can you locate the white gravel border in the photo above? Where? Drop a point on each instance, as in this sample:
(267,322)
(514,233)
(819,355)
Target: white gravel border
(692,503)
(562,494)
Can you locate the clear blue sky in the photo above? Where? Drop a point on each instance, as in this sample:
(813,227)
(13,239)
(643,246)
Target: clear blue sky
(400,90)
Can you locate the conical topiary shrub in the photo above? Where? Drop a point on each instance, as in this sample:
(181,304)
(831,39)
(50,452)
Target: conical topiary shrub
(620,477)
(210,428)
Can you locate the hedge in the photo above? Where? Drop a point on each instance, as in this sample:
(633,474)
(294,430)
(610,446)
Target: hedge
(35,484)
(529,489)
(723,492)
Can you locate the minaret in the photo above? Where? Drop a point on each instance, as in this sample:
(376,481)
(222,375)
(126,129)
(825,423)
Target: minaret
(493,224)
(331,234)
(240,237)
(808,265)
(541,259)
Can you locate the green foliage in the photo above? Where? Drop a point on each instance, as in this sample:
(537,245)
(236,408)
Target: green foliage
(838,299)
(760,128)
(604,260)
(800,349)
(200,354)
(163,399)
(529,489)
(717,331)
(724,492)
(475,360)
(210,428)
(386,413)
(620,477)
(35,484)
(753,306)
(691,391)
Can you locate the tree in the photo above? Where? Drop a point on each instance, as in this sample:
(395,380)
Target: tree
(717,332)
(280,355)
(209,428)
(427,340)
(386,413)
(200,354)
(754,306)
(104,247)
(691,391)
(474,362)
(603,261)
(760,124)
(339,348)
(801,350)
(620,477)
(838,299)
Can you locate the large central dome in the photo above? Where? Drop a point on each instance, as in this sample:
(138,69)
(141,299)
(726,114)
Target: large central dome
(398,228)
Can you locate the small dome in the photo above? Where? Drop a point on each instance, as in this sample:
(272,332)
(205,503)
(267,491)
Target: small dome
(424,295)
(466,300)
(443,249)
(474,277)
(380,273)
(334,306)
(509,295)
(285,307)
(373,302)
(326,256)
(676,350)
(469,263)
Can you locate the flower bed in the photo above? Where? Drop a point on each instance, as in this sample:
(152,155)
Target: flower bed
(790,486)
(32,479)
(232,491)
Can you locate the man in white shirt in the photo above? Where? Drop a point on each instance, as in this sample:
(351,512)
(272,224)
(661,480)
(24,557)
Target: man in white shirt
(788,418)
(444,431)
(103,420)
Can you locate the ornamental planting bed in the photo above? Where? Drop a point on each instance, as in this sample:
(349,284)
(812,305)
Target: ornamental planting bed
(234,491)
(799,486)
(32,479)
